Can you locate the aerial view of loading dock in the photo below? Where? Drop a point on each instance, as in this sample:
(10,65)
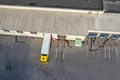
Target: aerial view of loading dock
(59,40)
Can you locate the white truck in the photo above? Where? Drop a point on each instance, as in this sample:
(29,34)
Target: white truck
(45,48)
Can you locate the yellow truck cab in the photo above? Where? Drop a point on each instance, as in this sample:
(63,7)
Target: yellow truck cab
(44,59)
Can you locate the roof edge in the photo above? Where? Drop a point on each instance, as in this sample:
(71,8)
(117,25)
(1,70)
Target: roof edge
(52,9)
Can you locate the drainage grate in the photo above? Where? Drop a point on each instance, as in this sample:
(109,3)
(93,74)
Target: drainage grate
(33,32)
(6,30)
(19,31)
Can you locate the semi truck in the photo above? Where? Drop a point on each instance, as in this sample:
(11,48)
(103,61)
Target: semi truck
(44,57)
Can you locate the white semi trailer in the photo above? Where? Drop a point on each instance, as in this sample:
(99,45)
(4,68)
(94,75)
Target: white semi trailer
(45,48)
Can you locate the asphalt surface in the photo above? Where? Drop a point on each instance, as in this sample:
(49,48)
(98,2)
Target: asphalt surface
(106,5)
(75,4)
(20,61)
(112,6)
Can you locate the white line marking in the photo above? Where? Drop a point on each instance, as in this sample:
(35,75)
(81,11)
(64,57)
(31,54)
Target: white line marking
(56,54)
(105,54)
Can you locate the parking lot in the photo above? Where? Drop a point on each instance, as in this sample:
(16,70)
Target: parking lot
(20,61)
